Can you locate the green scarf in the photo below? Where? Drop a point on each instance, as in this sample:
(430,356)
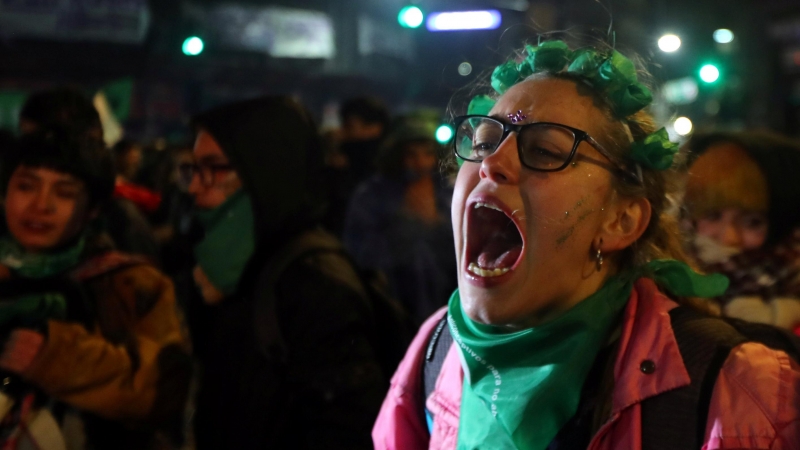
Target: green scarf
(520,388)
(31,310)
(38,265)
(229,242)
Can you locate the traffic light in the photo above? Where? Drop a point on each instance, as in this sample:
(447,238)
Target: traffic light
(193,46)
(410,17)
(444,133)
(709,73)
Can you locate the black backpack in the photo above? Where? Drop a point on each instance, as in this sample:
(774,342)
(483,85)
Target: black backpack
(393,328)
(673,420)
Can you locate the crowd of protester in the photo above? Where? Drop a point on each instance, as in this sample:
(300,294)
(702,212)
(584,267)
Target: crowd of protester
(258,286)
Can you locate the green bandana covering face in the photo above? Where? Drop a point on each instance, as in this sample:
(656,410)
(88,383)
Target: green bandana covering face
(229,242)
(38,265)
(520,388)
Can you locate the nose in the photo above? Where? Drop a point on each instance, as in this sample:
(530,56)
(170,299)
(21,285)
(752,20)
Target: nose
(730,235)
(195,186)
(44,201)
(503,165)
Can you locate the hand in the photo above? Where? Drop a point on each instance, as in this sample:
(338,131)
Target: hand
(210,293)
(20,350)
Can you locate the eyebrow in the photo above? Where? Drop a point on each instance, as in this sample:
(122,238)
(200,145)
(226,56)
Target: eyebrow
(71,180)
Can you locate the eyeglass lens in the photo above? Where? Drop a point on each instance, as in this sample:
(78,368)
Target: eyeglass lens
(544,147)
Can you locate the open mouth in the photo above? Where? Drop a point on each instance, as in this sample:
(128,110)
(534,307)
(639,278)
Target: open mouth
(494,242)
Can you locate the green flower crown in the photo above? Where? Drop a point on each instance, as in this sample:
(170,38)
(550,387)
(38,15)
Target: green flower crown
(610,73)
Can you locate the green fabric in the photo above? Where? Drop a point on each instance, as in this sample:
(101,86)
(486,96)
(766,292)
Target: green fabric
(505,76)
(38,265)
(549,56)
(481,105)
(31,310)
(680,280)
(520,388)
(655,151)
(229,241)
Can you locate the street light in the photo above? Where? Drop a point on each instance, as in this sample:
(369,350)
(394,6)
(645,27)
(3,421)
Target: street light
(669,43)
(683,126)
(723,36)
(709,73)
(193,46)
(444,133)
(410,17)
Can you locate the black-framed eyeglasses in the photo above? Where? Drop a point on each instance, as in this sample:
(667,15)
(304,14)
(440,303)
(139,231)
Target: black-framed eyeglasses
(208,173)
(542,146)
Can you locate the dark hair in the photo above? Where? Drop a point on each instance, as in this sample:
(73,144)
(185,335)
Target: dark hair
(62,107)
(370,110)
(77,154)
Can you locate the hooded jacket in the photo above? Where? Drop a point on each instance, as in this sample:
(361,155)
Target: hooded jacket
(325,388)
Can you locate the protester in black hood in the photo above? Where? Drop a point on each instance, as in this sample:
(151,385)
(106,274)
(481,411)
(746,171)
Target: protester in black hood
(288,361)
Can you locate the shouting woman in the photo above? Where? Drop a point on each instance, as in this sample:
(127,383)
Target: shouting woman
(577,322)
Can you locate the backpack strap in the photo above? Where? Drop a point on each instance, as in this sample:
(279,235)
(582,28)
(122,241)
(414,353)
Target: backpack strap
(269,340)
(676,420)
(438,346)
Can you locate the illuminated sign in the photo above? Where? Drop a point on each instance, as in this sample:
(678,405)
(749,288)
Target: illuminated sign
(464,20)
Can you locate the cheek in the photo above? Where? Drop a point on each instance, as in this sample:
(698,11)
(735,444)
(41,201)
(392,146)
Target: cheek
(708,227)
(14,204)
(754,238)
(466,181)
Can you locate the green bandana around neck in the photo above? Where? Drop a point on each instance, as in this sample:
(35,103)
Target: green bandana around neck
(229,241)
(38,265)
(520,388)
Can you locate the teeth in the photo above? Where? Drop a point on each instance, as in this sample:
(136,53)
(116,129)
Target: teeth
(485,273)
(487,205)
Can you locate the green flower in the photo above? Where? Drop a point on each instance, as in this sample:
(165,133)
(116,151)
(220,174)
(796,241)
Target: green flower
(481,105)
(616,72)
(505,76)
(549,56)
(630,100)
(655,151)
(586,63)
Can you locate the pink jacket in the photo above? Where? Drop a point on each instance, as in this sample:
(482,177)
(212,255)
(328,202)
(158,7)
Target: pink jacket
(755,404)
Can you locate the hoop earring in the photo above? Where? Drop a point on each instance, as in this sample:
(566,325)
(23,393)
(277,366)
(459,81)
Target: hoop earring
(599,257)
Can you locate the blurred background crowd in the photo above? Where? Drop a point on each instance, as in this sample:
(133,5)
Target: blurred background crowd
(378,82)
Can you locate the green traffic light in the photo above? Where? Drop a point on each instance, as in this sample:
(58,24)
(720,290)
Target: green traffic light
(709,73)
(444,133)
(193,46)
(410,17)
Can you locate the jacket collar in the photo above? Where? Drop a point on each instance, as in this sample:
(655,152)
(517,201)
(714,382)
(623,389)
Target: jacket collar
(648,361)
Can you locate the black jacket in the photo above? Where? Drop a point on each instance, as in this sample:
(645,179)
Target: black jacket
(325,389)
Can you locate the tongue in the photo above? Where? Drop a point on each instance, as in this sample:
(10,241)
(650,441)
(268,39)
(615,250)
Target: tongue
(497,254)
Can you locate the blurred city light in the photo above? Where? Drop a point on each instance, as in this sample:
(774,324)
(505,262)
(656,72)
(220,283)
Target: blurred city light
(709,73)
(681,91)
(683,126)
(669,43)
(464,20)
(410,17)
(193,46)
(444,133)
(723,36)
